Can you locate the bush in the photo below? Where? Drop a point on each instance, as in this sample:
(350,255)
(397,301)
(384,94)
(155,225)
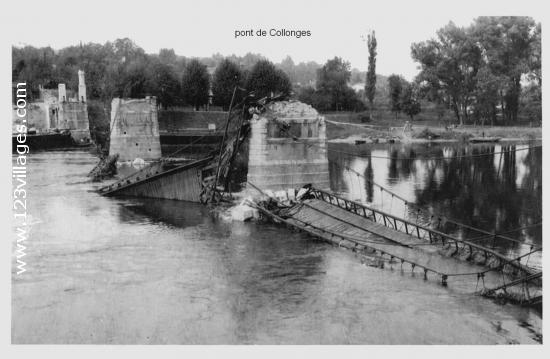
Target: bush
(363,116)
(265,78)
(323,100)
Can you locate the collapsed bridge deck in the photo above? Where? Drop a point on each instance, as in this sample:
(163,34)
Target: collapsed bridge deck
(369,231)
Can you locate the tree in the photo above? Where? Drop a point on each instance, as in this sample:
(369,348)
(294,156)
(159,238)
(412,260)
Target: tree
(287,65)
(370,83)
(449,65)
(409,103)
(319,100)
(511,49)
(332,80)
(135,80)
(168,56)
(530,103)
(395,83)
(306,73)
(162,82)
(265,79)
(226,77)
(333,92)
(35,67)
(535,61)
(195,84)
(486,94)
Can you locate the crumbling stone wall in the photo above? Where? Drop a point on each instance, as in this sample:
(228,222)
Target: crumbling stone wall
(278,162)
(55,111)
(171,121)
(74,117)
(134,129)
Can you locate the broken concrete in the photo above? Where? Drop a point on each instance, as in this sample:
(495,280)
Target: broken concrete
(134,129)
(288,148)
(56,111)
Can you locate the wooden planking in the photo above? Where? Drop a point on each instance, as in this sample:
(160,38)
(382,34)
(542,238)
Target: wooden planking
(427,233)
(184,186)
(180,183)
(364,234)
(333,218)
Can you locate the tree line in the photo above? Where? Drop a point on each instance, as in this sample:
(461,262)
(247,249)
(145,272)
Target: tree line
(123,69)
(488,71)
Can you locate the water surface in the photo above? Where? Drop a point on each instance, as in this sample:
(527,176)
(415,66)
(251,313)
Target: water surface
(141,271)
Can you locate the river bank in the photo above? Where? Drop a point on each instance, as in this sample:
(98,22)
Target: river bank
(348,132)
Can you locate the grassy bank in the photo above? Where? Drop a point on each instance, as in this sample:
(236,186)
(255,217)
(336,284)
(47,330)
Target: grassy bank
(394,130)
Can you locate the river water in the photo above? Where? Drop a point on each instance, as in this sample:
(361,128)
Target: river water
(141,271)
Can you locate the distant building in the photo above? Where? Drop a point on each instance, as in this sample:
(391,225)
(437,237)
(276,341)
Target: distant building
(358,86)
(58,110)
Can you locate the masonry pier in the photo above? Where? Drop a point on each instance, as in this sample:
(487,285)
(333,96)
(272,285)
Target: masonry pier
(58,119)
(288,147)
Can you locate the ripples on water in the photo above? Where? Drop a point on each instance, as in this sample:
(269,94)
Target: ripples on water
(139,271)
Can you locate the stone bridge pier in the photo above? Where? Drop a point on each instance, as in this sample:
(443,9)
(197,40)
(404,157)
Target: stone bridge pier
(278,162)
(135,129)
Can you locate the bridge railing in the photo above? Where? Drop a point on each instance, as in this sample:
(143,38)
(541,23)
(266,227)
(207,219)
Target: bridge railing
(417,230)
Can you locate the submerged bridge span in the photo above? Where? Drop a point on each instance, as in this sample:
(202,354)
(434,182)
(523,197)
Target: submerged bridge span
(431,247)
(367,230)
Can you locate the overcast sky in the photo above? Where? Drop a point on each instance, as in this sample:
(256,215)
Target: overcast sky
(206,27)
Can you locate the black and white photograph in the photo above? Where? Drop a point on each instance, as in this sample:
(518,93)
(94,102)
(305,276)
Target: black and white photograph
(253,173)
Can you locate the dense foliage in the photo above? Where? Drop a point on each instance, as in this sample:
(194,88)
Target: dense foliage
(195,84)
(403,96)
(395,83)
(488,72)
(266,80)
(226,77)
(123,69)
(332,92)
(370,83)
(478,71)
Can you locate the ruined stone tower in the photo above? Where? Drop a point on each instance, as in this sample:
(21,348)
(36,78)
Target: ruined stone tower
(62,92)
(61,110)
(81,87)
(278,162)
(72,114)
(134,129)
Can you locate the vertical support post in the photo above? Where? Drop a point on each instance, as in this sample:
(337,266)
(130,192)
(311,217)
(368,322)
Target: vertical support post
(221,145)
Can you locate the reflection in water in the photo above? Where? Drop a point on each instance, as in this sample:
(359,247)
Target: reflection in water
(167,211)
(501,191)
(145,271)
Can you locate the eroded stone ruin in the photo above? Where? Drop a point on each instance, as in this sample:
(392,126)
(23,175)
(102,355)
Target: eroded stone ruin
(288,147)
(135,129)
(59,110)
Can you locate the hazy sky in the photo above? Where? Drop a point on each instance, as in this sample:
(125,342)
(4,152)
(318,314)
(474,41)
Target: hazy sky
(206,27)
